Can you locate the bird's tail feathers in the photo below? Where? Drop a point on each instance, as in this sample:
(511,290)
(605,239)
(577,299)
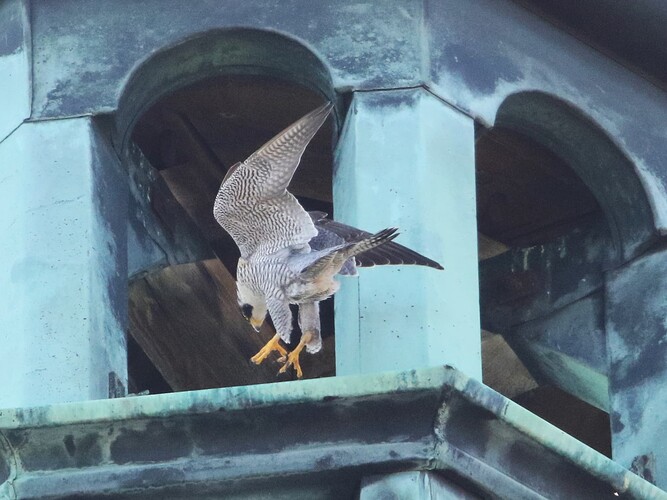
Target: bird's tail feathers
(341,253)
(373,241)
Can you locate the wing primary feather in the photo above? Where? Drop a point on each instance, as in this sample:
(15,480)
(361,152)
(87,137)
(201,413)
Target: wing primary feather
(283,152)
(253,204)
(389,253)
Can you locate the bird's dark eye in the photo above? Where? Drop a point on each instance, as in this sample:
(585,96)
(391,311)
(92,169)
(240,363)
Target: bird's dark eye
(246,310)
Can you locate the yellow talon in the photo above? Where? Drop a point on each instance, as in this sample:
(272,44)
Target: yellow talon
(271,345)
(292,359)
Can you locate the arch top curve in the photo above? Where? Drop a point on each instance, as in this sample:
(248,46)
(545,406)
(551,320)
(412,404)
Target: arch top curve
(594,157)
(213,53)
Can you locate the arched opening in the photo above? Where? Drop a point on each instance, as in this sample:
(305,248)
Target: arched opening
(186,116)
(561,204)
(596,160)
(527,195)
(221,52)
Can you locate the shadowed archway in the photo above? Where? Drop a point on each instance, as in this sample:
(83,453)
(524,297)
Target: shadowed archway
(186,115)
(594,157)
(568,204)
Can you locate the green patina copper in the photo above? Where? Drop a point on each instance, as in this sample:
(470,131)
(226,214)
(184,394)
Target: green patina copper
(486,60)
(407,159)
(328,431)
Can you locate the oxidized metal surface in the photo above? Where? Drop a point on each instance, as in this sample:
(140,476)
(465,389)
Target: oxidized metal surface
(315,438)
(525,284)
(637,349)
(399,152)
(99,65)
(473,55)
(92,57)
(547,301)
(151,243)
(15,83)
(64,266)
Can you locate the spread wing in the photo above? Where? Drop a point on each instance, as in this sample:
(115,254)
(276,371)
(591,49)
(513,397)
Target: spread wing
(391,253)
(253,204)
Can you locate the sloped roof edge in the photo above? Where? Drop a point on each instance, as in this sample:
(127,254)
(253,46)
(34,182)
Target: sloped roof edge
(316,437)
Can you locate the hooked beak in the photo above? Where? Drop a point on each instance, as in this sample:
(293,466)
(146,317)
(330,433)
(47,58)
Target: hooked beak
(256,324)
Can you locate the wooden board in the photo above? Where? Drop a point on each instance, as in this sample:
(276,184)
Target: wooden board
(186,319)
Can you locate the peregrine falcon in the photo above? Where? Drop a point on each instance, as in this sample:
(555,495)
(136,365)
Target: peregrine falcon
(288,255)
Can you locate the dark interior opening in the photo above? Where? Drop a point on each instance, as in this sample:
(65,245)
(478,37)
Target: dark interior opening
(528,197)
(526,194)
(184,317)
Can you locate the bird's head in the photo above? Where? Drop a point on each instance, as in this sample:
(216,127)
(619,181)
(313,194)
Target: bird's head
(252,305)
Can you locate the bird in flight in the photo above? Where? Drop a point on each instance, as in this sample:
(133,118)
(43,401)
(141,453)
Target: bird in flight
(288,255)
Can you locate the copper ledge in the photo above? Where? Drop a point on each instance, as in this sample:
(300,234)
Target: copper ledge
(314,439)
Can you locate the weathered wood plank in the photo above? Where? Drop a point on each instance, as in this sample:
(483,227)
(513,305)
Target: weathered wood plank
(186,319)
(502,370)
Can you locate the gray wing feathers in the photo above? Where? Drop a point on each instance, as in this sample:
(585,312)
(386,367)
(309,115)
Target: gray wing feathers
(327,239)
(301,261)
(389,253)
(334,258)
(260,225)
(253,204)
(276,161)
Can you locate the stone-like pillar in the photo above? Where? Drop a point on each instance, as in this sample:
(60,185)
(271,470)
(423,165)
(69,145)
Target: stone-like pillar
(412,485)
(63,272)
(636,315)
(407,159)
